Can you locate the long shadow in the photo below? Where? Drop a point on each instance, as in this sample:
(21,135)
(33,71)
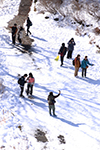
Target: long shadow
(41,39)
(42,105)
(70,123)
(42,87)
(68,67)
(89,80)
(6,39)
(35,50)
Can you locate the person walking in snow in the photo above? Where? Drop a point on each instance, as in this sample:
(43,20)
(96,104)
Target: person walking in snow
(84,66)
(30,81)
(20,34)
(21,82)
(71,45)
(51,102)
(29,23)
(77,65)
(62,52)
(14,31)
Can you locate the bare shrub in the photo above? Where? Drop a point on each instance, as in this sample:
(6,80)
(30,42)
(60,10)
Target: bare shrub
(51,5)
(93,8)
(97,30)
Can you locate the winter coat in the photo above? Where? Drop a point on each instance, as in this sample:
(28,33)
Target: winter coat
(22,81)
(20,34)
(31,80)
(77,62)
(85,63)
(14,30)
(51,99)
(71,45)
(62,51)
(29,23)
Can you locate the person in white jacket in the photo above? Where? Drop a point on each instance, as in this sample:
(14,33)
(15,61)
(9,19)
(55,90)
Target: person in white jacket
(20,34)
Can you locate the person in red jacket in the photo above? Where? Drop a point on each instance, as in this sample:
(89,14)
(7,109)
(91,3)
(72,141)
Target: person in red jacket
(30,81)
(51,102)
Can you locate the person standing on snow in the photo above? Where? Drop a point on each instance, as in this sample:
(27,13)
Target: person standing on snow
(20,34)
(71,45)
(29,23)
(21,82)
(51,102)
(77,64)
(14,31)
(62,52)
(84,66)
(30,81)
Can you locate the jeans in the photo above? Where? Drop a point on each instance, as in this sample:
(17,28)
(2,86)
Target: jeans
(29,89)
(84,72)
(53,108)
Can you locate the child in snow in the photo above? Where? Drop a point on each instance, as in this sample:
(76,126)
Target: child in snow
(30,81)
(51,102)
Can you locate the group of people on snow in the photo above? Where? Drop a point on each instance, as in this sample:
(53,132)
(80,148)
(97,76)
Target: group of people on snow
(30,80)
(64,49)
(84,65)
(20,30)
(77,63)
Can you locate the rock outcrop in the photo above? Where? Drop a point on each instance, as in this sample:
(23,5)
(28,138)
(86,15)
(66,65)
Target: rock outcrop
(24,9)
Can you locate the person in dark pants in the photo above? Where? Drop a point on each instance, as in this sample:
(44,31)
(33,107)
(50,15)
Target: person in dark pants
(31,81)
(51,102)
(14,31)
(22,81)
(29,23)
(84,66)
(62,52)
(71,45)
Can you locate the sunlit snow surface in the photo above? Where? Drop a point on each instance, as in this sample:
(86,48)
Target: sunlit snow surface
(78,106)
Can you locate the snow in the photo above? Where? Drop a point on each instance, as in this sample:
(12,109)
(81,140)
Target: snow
(78,106)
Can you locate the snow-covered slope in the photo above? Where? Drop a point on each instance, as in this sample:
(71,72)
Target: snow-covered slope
(77,107)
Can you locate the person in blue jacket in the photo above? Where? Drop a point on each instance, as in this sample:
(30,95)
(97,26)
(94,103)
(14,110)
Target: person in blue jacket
(84,65)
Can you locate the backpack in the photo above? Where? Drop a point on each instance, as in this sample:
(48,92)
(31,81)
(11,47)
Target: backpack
(51,99)
(73,62)
(30,23)
(19,81)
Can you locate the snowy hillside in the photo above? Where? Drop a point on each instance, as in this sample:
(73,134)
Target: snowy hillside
(25,124)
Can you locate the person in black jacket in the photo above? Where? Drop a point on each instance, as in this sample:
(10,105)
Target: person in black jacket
(14,31)
(62,52)
(22,82)
(29,23)
(51,102)
(71,45)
